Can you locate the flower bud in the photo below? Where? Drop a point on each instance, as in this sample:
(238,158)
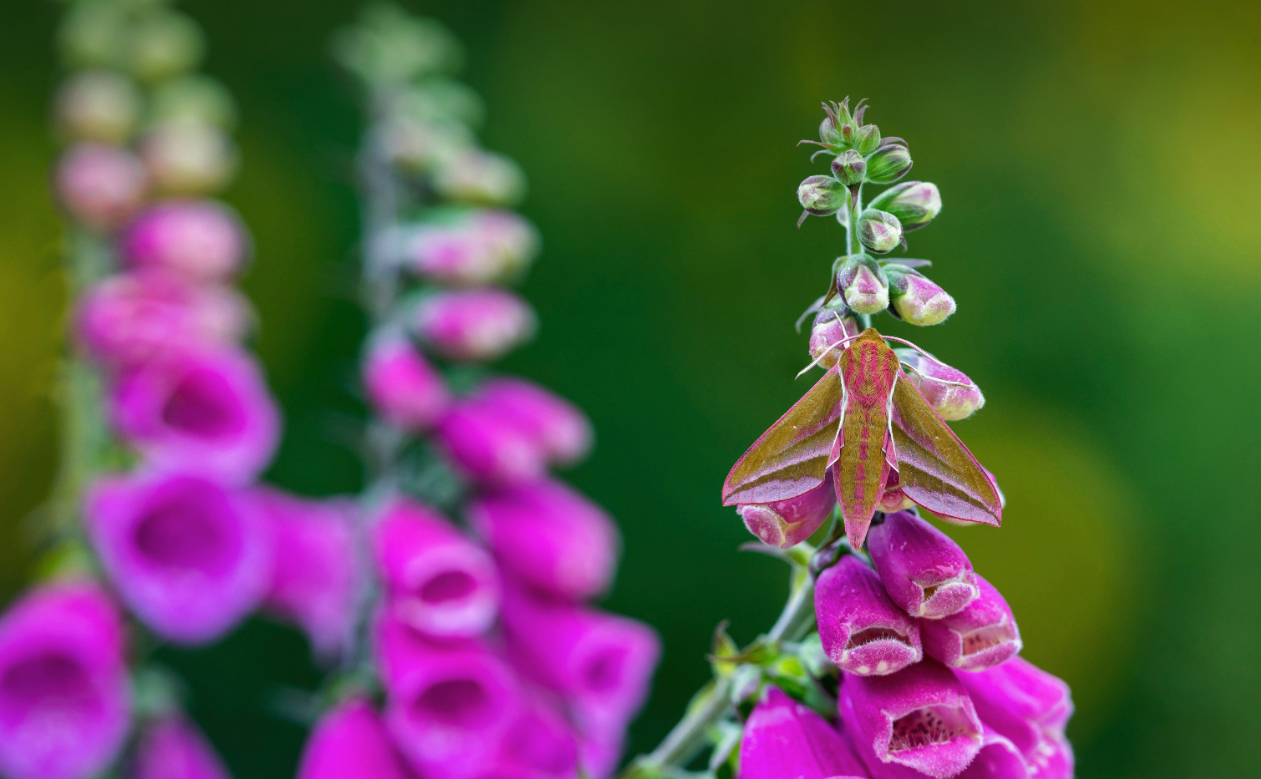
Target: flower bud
(440,583)
(1030,708)
(784,738)
(479,177)
(863,285)
(418,146)
(476,325)
(202,241)
(65,701)
(924,572)
(914,203)
(549,536)
(173,748)
(190,557)
(867,139)
(99,185)
(837,130)
(827,337)
(916,299)
(183,158)
(888,164)
(476,440)
(480,248)
(404,389)
(98,105)
(879,231)
(981,636)
(164,43)
(849,168)
(862,631)
(350,740)
(948,390)
(93,35)
(559,428)
(787,523)
(193,99)
(920,718)
(822,195)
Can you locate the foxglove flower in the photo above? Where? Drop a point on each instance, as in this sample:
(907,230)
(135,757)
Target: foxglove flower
(827,337)
(476,441)
(914,203)
(193,98)
(208,411)
(403,387)
(920,718)
(98,105)
(549,536)
(862,631)
(786,523)
(538,744)
(783,738)
(948,390)
(173,748)
(189,556)
(350,741)
(822,195)
(481,248)
(474,325)
(879,231)
(888,164)
(187,158)
(924,572)
(200,240)
(65,698)
(99,185)
(316,581)
(982,635)
(480,177)
(1030,708)
(998,759)
(559,428)
(917,300)
(440,583)
(862,285)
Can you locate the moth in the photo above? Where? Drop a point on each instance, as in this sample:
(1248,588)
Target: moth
(877,437)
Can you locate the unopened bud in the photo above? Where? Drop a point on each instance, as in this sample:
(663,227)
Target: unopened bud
(822,195)
(837,129)
(888,164)
(98,105)
(914,203)
(477,324)
(948,390)
(195,99)
(879,231)
(831,327)
(91,34)
(189,158)
(916,299)
(867,139)
(863,285)
(849,168)
(100,185)
(480,178)
(164,43)
(786,523)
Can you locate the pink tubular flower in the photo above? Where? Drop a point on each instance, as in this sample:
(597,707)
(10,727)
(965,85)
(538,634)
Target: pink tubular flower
(981,636)
(549,536)
(138,316)
(449,706)
(316,580)
(200,240)
(208,411)
(65,700)
(350,741)
(189,556)
(923,571)
(538,744)
(559,427)
(173,748)
(998,759)
(478,443)
(918,300)
(948,390)
(403,388)
(786,523)
(475,324)
(827,336)
(480,248)
(1030,708)
(783,738)
(862,631)
(100,185)
(440,583)
(920,718)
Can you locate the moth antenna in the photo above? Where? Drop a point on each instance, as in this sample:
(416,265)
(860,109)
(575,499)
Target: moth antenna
(825,354)
(913,369)
(913,346)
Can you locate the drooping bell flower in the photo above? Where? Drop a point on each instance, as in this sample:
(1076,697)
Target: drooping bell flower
(982,635)
(550,536)
(350,741)
(539,743)
(200,240)
(64,695)
(190,556)
(173,748)
(601,747)
(440,583)
(998,759)
(1030,708)
(920,718)
(474,325)
(862,285)
(448,706)
(208,411)
(402,386)
(100,185)
(784,738)
(948,390)
(786,523)
(923,570)
(480,248)
(477,442)
(561,430)
(316,580)
(863,632)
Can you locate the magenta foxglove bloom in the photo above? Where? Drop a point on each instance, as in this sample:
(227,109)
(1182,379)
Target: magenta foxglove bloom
(100,185)
(783,738)
(208,411)
(316,579)
(449,706)
(440,582)
(351,741)
(863,632)
(920,718)
(482,247)
(1030,708)
(981,636)
(190,556)
(787,523)
(924,572)
(948,390)
(482,447)
(64,695)
(559,427)
(200,240)
(173,748)
(474,325)
(138,316)
(538,744)
(549,536)
(998,759)
(403,387)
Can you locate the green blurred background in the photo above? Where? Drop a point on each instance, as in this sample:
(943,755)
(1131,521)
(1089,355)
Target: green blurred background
(1098,162)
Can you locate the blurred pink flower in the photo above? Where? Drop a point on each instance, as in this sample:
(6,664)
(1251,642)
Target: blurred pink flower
(558,427)
(403,387)
(475,325)
(200,240)
(100,185)
(350,741)
(173,748)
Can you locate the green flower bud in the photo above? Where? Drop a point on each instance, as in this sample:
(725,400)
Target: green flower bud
(863,285)
(914,203)
(849,167)
(889,163)
(879,231)
(195,99)
(822,195)
(162,44)
(92,35)
(867,139)
(837,129)
(915,298)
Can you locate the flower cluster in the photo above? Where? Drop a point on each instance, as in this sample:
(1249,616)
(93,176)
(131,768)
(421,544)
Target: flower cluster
(490,659)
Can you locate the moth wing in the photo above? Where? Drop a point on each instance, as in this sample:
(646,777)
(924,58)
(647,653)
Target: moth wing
(935,469)
(792,457)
